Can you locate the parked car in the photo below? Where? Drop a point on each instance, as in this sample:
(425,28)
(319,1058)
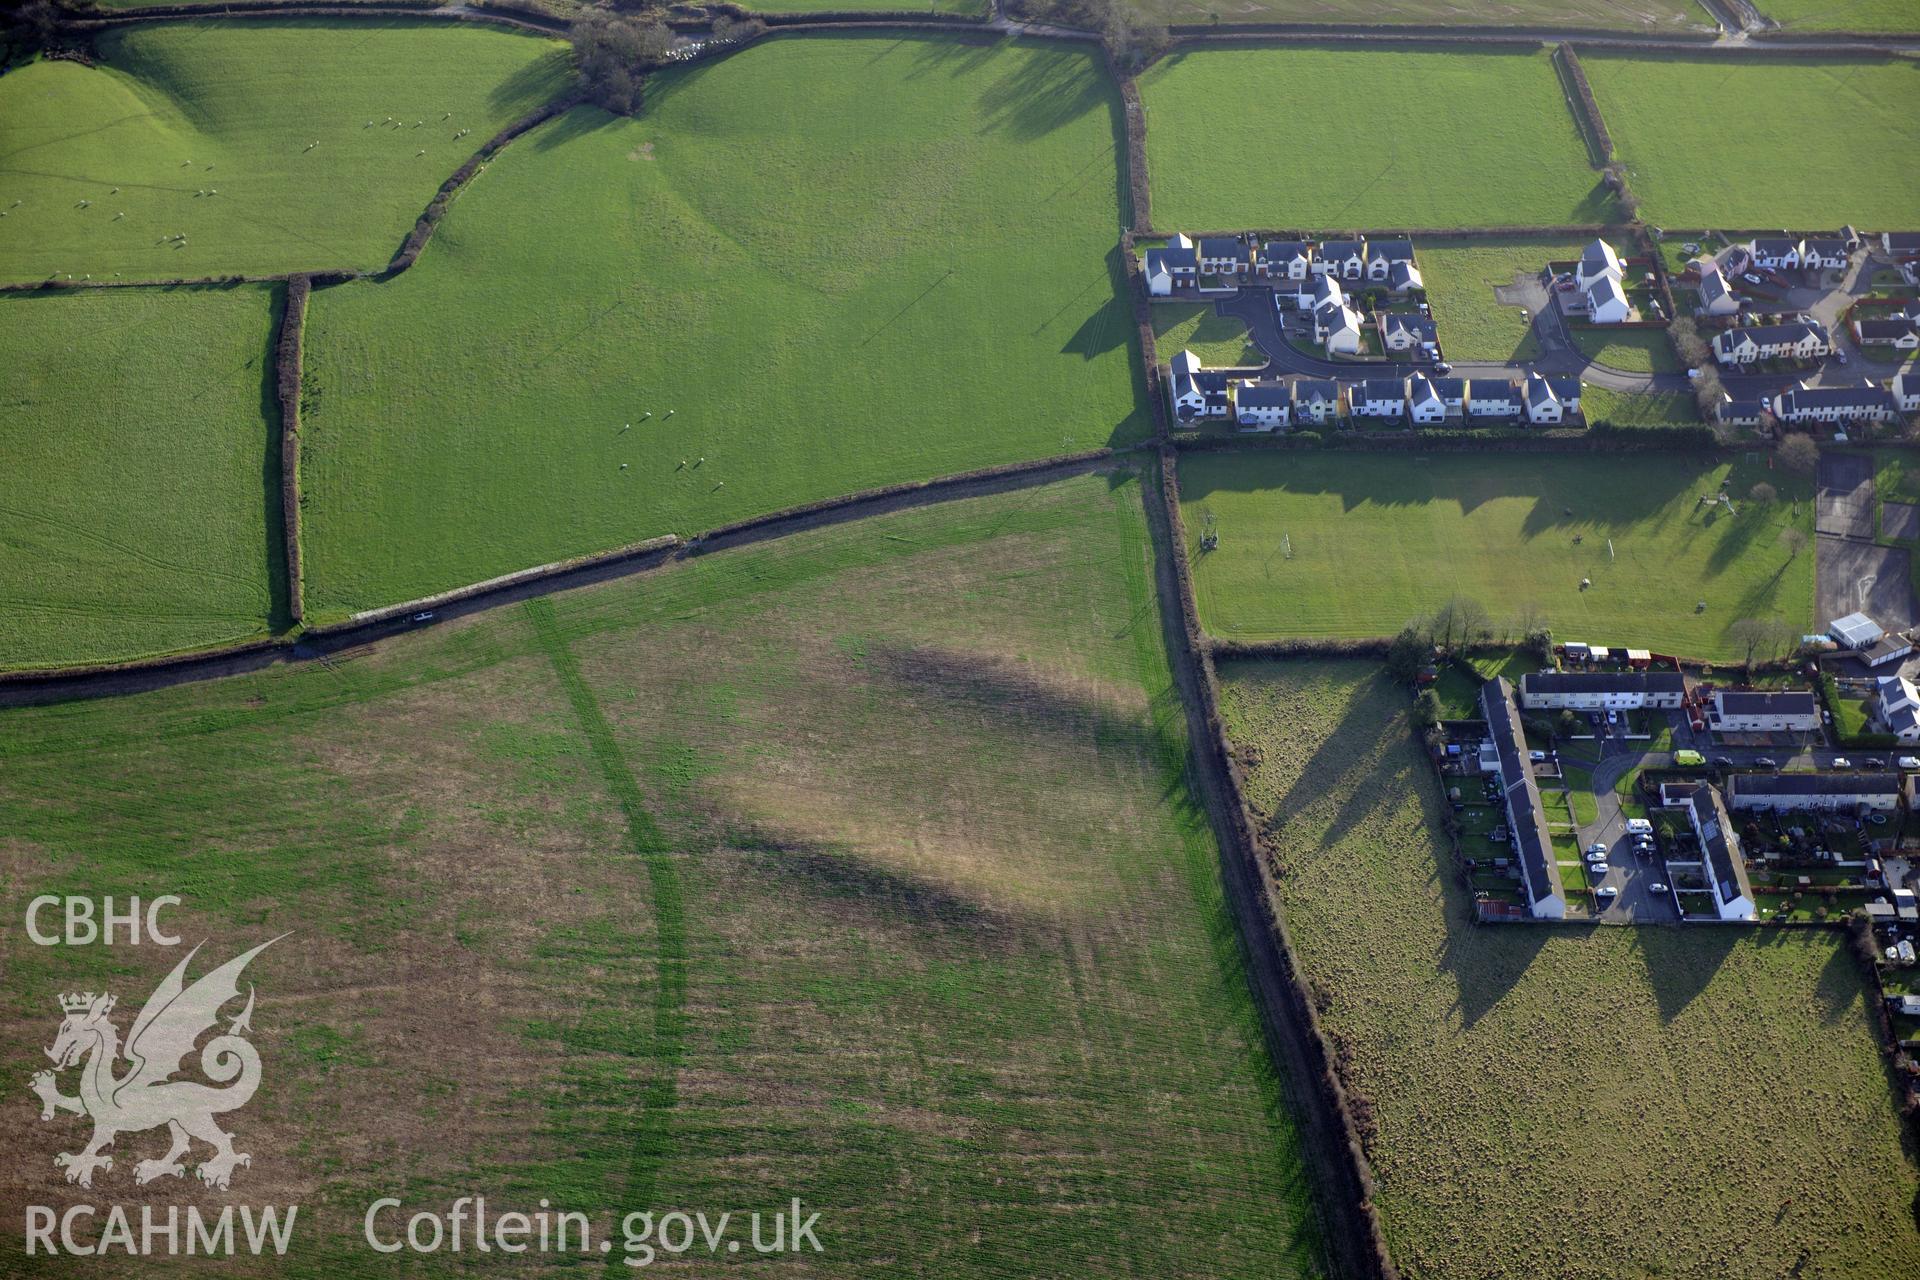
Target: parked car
(1766,762)
(1840,762)
(1874,762)
(1724,762)
(1442,368)
(1606,893)
(1598,849)
(1657,887)
(1908,762)
(1752,278)
(1597,869)
(424,616)
(1613,717)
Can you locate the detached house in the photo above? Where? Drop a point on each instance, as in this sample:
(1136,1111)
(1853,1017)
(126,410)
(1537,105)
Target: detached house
(1315,401)
(1286,259)
(1225,256)
(1195,393)
(1862,403)
(1318,292)
(1424,404)
(1263,404)
(1550,400)
(1716,297)
(1400,332)
(1492,398)
(1378,398)
(1382,254)
(1902,246)
(1607,302)
(1722,864)
(1897,708)
(1775,253)
(1346,259)
(1739,413)
(1899,332)
(1598,262)
(1172,267)
(1520,795)
(1403,277)
(1796,339)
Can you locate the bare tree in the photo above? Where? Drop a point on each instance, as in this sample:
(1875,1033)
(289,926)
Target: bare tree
(1692,349)
(613,55)
(1763,493)
(1462,620)
(1799,453)
(1794,539)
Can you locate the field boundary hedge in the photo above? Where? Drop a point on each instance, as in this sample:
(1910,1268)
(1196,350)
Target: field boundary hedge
(1586,108)
(288,363)
(1355,1242)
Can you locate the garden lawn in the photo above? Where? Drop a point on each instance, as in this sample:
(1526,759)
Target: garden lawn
(1659,409)
(140,438)
(1514,1074)
(177,110)
(1635,350)
(1461,276)
(1631,15)
(858,866)
(1843,15)
(1660,111)
(785,305)
(1380,539)
(1218,340)
(1325,139)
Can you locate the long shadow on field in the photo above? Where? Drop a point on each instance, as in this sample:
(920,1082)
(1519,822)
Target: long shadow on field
(1367,779)
(575,124)
(532,84)
(843,882)
(1681,963)
(1488,961)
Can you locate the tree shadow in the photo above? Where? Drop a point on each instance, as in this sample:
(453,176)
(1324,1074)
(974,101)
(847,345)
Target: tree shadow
(1682,961)
(532,83)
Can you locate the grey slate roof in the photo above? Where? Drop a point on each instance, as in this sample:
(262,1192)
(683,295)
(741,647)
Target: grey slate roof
(1828,399)
(1885,330)
(1527,820)
(1421,327)
(1794,703)
(1719,846)
(1265,393)
(1641,682)
(1813,784)
(1389,251)
(1225,247)
(1382,389)
(1173,259)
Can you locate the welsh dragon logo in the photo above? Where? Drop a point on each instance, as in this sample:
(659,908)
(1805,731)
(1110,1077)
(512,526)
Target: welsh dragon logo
(146,1096)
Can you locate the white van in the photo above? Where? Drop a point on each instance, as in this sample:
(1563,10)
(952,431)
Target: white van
(1908,762)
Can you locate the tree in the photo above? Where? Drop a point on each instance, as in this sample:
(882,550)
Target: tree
(1794,539)
(1763,493)
(1799,453)
(30,28)
(1567,724)
(1410,651)
(1462,620)
(1707,394)
(1767,637)
(613,55)
(1692,349)
(1426,709)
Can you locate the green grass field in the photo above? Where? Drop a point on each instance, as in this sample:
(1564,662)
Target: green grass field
(175,110)
(1522,1081)
(1218,340)
(1635,350)
(1843,15)
(1461,276)
(1378,539)
(141,442)
(1662,111)
(1663,409)
(1339,138)
(792,870)
(820,307)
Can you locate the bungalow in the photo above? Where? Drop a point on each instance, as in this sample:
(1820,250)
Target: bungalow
(1225,256)
(1906,390)
(1722,864)
(1492,398)
(1315,401)
(1424,404)
(1195,393)
(1829,791)
(1716,297)
(1739,413)
(1378,398)
(1776,253)
(1346,259)
(1286,259)
(1598,262)
(1897,708)
(1863,403)
(1900,333)
(1797,339)
(1262,404)
(1607,302)
(1824,252)
(1796,711)
(1520,794)
(1402,277)
(1602,690)
(1400,331)
(1382,254)
(1902,246)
